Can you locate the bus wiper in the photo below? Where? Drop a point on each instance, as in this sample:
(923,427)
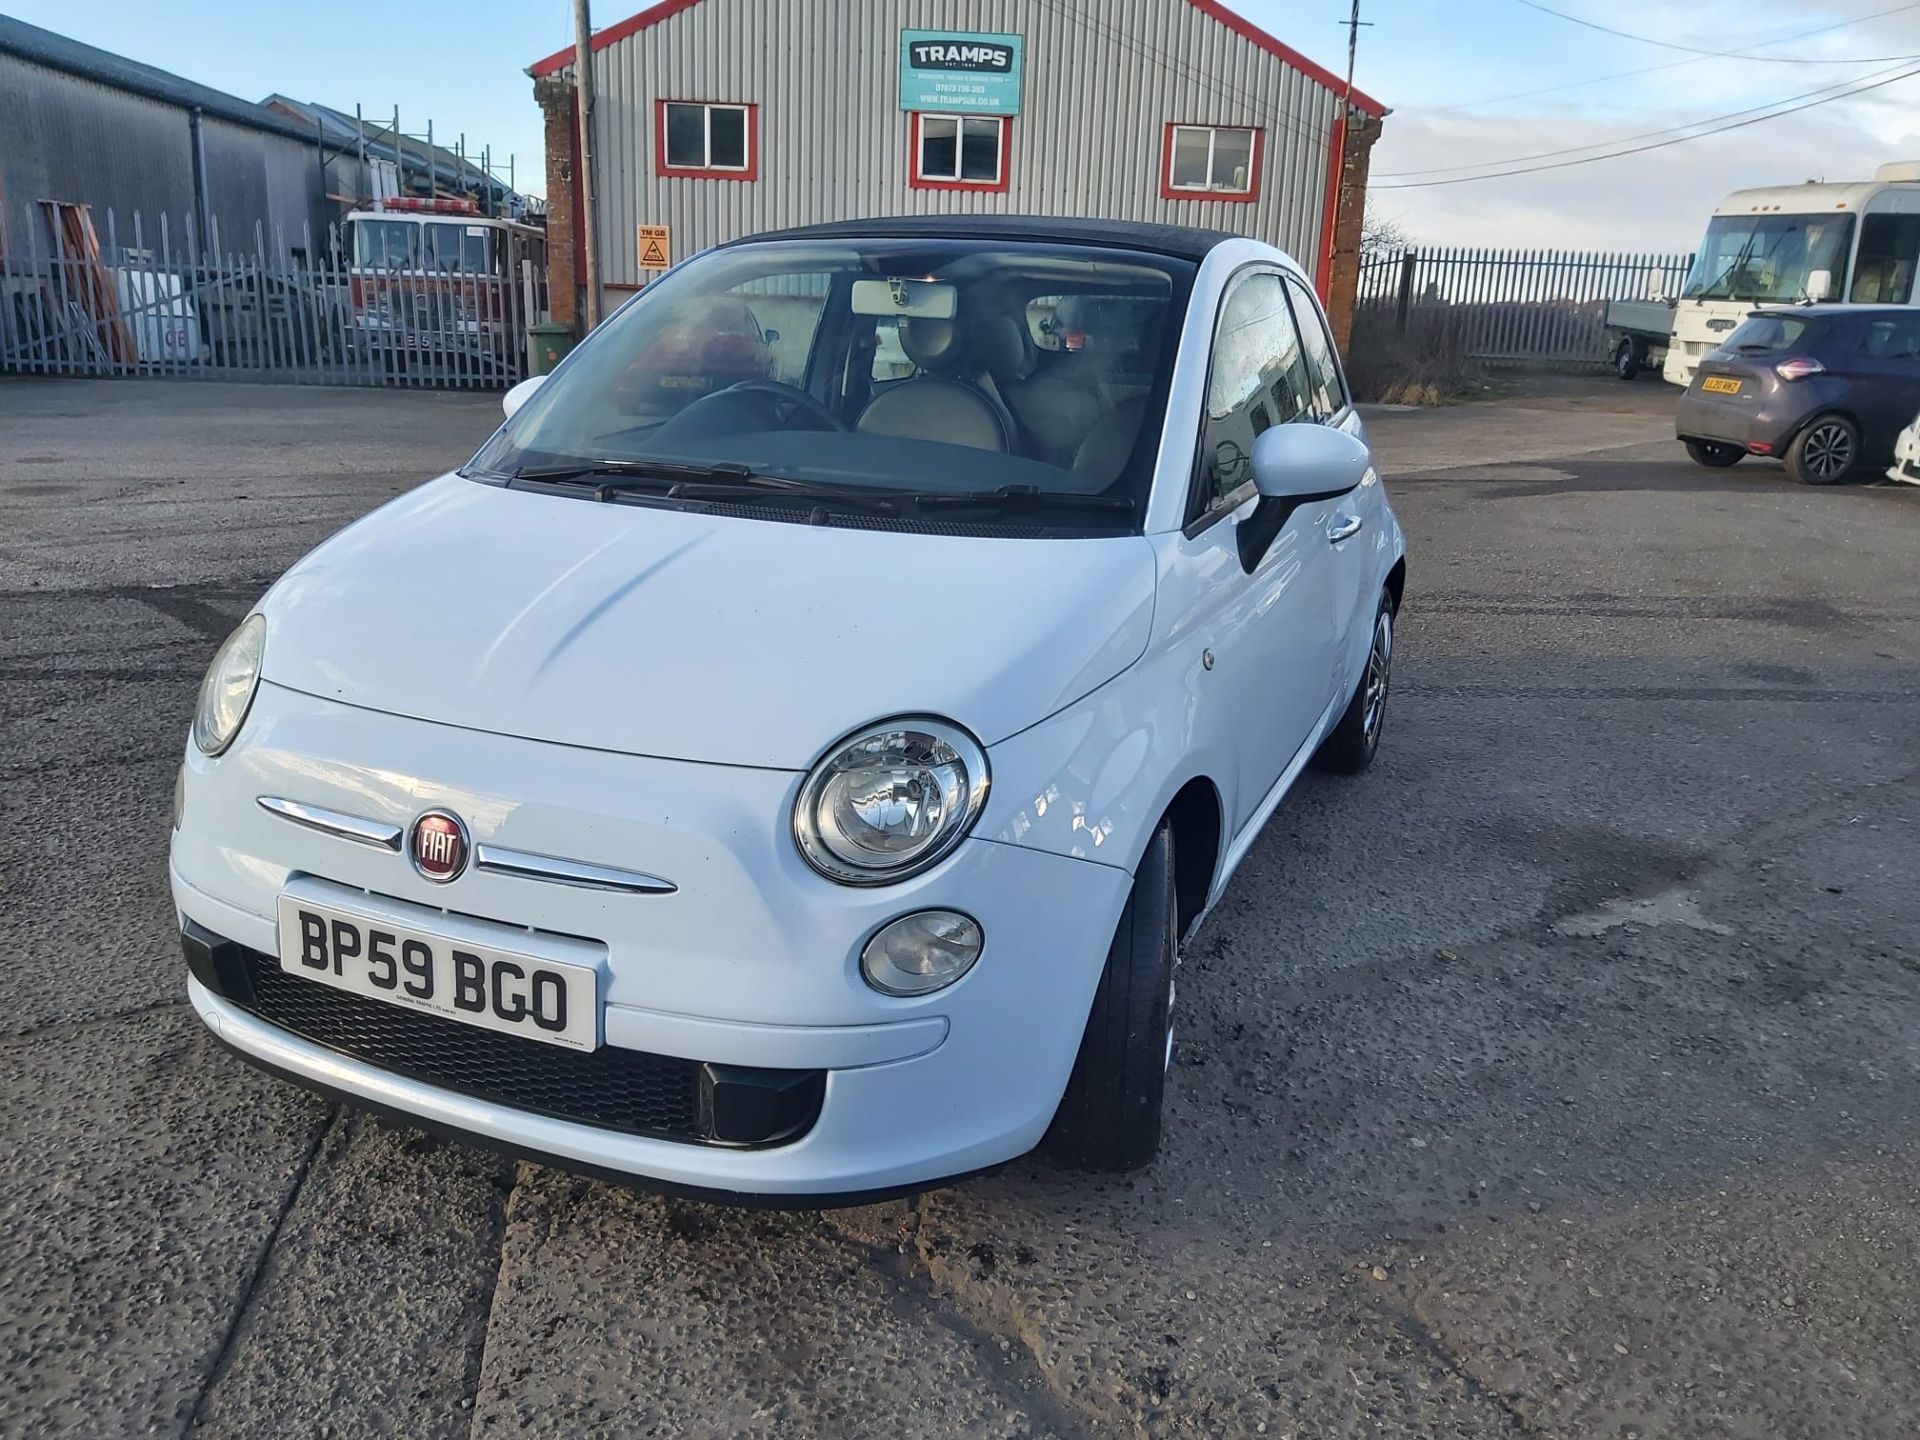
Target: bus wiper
(1021,497)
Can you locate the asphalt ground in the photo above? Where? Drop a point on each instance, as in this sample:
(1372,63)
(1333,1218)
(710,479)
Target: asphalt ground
(1557,1078)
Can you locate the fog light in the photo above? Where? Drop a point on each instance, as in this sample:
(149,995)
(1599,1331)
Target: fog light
(920,953)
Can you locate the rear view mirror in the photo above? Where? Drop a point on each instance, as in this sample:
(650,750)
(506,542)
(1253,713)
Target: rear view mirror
(915,299)
(520,394)
(1819,285)
(1307,462)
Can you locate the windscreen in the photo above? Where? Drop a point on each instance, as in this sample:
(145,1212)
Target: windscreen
(1770,258)
(386,244)
(457,248)
(923,366)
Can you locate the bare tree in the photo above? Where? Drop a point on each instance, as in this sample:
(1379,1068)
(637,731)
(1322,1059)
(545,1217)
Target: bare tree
(1382,235)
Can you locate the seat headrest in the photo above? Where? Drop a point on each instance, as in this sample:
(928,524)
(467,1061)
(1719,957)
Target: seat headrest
(932,344)
(1107,448)
(1007,349)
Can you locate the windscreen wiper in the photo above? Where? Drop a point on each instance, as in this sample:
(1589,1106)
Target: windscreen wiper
(1020,497)
(667,472)
(687,480)
(764,488)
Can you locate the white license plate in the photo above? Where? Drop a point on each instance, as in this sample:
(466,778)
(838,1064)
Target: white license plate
(525,995)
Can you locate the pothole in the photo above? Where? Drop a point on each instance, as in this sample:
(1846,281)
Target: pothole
(1670,907)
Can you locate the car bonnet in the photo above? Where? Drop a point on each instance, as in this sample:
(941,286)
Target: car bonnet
(697,636)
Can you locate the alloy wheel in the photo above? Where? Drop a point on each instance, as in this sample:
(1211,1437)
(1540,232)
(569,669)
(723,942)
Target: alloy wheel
(1828,452)
(1379,679)
(1167,1061)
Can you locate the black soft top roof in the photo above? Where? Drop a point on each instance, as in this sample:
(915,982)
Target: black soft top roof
(1187,242)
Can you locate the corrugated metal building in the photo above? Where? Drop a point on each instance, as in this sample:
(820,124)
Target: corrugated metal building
(84,126)
(718,118)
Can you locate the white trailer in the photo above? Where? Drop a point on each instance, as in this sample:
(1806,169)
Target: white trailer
(1857,242)
(1639,332)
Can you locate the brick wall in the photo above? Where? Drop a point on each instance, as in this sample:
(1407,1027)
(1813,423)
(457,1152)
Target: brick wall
(555,94)
(1343,278)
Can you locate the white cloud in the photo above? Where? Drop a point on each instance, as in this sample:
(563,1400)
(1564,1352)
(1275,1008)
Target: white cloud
(1657,199)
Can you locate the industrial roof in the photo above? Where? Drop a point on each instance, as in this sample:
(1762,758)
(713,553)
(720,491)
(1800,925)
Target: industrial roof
(57,52)
(1240,25)
(345,132)
(1184,241)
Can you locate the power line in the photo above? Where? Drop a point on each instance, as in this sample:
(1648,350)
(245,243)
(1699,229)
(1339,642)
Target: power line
(1857,89)
(1645,135)
(1697,50)
(1664,65)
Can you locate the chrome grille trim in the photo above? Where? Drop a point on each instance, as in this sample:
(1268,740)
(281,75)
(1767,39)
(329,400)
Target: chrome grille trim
(579,873)
(333,822)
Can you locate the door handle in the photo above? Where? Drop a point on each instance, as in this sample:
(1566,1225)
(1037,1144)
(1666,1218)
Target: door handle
(1344,528)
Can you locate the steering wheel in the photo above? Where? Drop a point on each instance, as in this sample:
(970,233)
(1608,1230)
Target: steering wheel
(783,400)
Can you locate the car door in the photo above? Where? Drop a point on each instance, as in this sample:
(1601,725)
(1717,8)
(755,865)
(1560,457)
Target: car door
(1886,381)
(1352,521)
(1266,630)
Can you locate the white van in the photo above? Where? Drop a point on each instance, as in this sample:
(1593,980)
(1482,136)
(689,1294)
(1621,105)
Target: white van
(1854,242)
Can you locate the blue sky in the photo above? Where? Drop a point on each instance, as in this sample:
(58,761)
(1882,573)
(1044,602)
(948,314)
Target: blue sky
(462,64)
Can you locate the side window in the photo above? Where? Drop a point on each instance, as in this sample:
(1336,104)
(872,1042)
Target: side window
(1329,395)
(1889,249)
(1258,377)
(1896,338)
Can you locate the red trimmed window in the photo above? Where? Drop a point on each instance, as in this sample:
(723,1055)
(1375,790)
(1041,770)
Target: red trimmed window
(706,140)
(960,152)
(1210,162)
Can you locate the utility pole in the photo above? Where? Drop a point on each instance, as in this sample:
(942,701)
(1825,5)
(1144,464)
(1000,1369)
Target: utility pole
(1354,24)
(583,182)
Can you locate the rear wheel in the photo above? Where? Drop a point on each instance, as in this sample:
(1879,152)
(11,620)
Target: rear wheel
(1714,454)
(1825,452)
(1627,358)
(1109,1119)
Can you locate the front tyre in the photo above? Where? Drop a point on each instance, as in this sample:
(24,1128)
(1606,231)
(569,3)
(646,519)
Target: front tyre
(1351,745)
(1109,1119)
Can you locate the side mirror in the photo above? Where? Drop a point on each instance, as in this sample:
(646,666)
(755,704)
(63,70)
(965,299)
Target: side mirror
(1819,285)
(520,394)
(1303,462)
(1294,465)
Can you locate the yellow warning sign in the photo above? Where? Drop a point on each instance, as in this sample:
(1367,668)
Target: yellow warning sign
(656,247)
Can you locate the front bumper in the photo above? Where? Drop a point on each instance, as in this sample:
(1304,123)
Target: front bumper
(753,961)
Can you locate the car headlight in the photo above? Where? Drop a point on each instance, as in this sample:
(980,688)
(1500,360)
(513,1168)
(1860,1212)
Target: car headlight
(890,801)
(228,689)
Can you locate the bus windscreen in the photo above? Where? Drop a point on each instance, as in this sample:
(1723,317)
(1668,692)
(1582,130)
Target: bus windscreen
(1770,258)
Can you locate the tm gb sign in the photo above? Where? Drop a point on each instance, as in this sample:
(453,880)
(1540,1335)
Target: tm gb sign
(960,70)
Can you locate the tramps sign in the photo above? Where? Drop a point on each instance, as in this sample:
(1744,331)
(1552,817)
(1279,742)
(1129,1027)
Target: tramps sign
(960,70)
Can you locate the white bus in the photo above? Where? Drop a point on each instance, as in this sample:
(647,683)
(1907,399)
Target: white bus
(1856,242)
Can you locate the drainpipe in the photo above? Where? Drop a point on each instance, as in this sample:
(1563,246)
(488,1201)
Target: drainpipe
(583,183)
(203,214)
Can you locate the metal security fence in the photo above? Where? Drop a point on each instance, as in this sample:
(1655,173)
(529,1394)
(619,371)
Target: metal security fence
(1504,307)
(156,298)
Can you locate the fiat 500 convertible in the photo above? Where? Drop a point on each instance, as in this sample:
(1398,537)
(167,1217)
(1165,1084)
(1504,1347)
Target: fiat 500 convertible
(798,786)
